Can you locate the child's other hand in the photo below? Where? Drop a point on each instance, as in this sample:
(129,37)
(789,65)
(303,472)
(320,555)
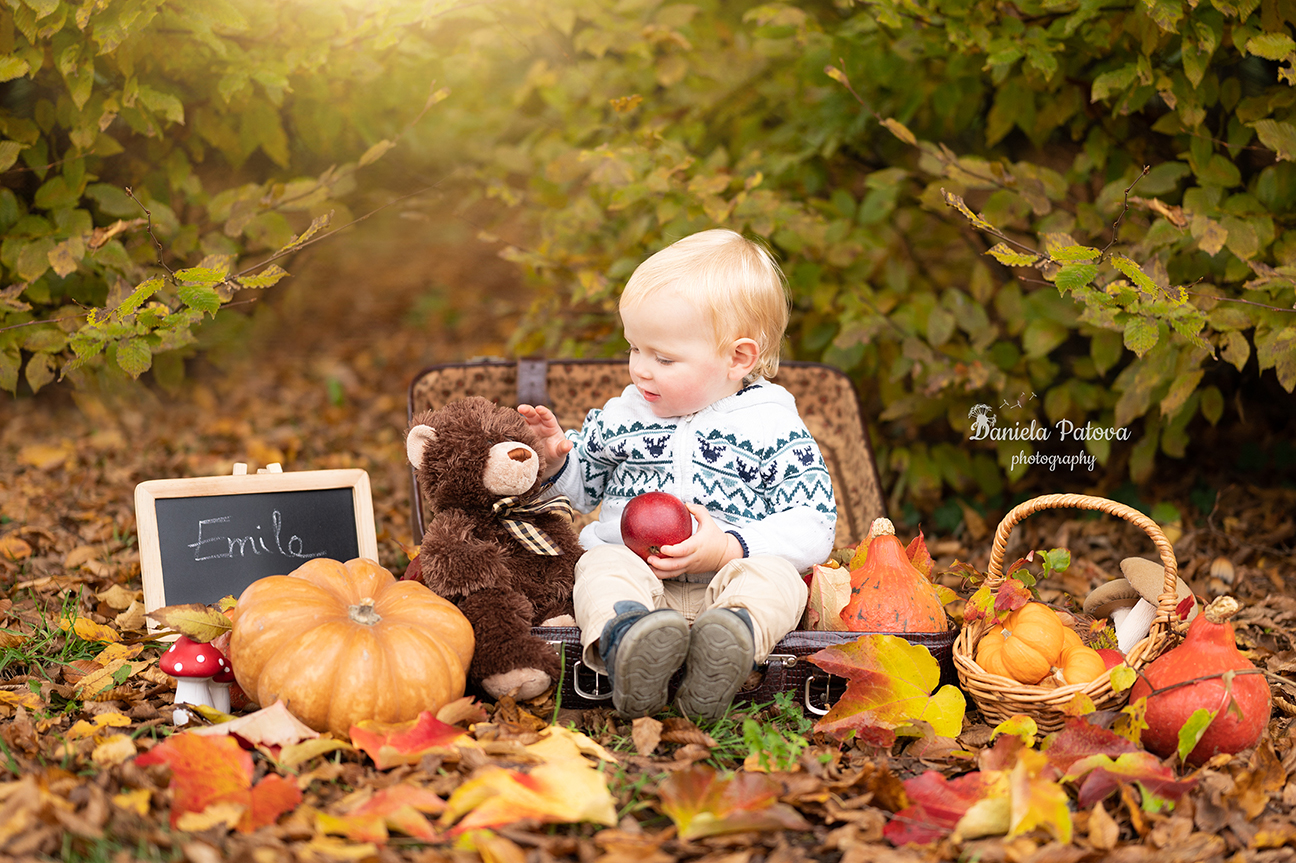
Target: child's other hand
(708,549)
(553,445)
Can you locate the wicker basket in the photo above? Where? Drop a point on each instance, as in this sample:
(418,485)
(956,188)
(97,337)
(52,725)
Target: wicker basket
(998,697)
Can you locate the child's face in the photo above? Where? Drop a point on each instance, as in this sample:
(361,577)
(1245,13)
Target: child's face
(673,358)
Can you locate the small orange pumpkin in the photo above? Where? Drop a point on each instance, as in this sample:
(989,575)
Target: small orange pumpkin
(340,643)
(1032,642)
(1080,663)
(990,651)
(888,593)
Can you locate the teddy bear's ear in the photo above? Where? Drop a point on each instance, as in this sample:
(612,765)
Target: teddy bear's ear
(419,439)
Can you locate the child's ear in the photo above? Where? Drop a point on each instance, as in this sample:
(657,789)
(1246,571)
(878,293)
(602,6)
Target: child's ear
(743,356)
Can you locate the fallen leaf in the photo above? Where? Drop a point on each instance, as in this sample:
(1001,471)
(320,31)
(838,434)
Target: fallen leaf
(646,734)
(1078,740)
(936,805)
(132,619)
(136,800)
(272,727)
(113,750)
(889,684)
(298,753)
(1103,831)
(398,807)
(224,813)
(1038,801)
(14,547)
(1100,775)
(83,728)
(564,788)
(703,803)
(115,597)
(47,457)
(465,710)
(198,622)
(391,744)
(207,770)
(87,630)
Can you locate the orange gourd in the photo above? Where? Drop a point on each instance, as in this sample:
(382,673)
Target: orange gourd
(990,651)
(1032,642)
(1080,663)
(888,593)
(340,643)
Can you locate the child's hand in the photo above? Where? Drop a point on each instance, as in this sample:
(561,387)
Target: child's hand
(708,549)
(553,445)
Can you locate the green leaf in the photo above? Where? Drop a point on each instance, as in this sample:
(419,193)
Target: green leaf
(1134,273)
(134,356)
(264,279)
(140,295)
(1110,82)
(13,67)
(1005,255)
(1141,335)
(1042,336)
(201,276)
(1276,349)
(1166,13)
(1073,254)
(1075,276)
(1278,136)
(1271,46)
(1190,734)
(163,103)
(33,259)
(9,151)
(40,370)
(199,297)
(10,359)
(376,152)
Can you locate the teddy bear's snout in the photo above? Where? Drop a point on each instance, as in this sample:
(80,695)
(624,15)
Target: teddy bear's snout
(511,468)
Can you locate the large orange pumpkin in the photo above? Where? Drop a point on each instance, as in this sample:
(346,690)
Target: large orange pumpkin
(340,643)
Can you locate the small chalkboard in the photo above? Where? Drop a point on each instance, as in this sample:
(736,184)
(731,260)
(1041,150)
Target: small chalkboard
(205,538)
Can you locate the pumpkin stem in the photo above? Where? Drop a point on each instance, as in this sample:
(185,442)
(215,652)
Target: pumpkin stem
(364,613)
(1221,609)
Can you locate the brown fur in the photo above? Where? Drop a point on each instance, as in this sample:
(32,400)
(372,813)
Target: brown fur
(470,558)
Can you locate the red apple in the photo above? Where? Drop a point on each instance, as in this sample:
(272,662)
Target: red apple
(652,520)
(1111,657)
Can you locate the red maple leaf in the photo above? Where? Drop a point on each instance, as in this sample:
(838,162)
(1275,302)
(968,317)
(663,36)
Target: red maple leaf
(936,805)
(207,770)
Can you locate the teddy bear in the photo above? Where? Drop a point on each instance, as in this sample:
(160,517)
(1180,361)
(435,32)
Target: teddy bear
(495,547)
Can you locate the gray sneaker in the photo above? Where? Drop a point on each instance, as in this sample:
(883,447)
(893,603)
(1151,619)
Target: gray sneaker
(642,650)
(720,655)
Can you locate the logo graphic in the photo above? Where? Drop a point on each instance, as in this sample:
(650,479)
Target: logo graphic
(983,419)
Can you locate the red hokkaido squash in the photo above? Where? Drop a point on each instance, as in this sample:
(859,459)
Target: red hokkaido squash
(888,593)
(1208,650)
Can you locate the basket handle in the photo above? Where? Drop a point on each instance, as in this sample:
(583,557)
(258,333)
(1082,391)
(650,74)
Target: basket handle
(995,577)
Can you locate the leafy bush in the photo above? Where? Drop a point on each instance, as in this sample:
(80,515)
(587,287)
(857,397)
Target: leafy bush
(958,191)
(957,188)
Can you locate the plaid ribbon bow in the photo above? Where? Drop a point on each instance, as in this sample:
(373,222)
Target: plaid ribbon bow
(514,516)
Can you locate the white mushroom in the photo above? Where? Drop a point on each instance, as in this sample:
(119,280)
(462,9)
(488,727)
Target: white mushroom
(220,686)
(1131,602)
(192,664)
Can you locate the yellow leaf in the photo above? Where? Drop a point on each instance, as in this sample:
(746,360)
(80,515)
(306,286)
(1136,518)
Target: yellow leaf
(136,801)
(1037,801)
(296,753)
(195,620)
(47,457)
(339,849)
(87,630)
(225,813)
(114,750)
(117,650)
(80,555)
(27,700)
(99,679)
(132,619)
(565,789)
(900,130)
(104,720)
(15,548)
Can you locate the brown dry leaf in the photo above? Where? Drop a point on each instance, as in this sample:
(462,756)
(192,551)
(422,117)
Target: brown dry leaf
(13,547)
(1103,831)
(677,729)
(80,555)
(646,734)
(119,598)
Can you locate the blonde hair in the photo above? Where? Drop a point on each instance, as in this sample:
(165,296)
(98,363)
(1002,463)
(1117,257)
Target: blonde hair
(734,281)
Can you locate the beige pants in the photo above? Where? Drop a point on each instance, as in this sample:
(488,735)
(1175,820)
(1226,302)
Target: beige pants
(769,587)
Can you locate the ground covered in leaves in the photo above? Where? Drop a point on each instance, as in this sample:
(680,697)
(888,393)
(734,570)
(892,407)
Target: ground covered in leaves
(90,768)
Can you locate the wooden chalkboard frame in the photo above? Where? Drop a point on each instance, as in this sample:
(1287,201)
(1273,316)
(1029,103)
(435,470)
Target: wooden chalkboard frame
(149,492)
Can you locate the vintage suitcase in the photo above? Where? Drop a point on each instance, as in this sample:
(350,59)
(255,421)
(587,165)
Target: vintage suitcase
(828,404)
(788,669)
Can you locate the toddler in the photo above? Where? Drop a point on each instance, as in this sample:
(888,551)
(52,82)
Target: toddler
(705,320)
